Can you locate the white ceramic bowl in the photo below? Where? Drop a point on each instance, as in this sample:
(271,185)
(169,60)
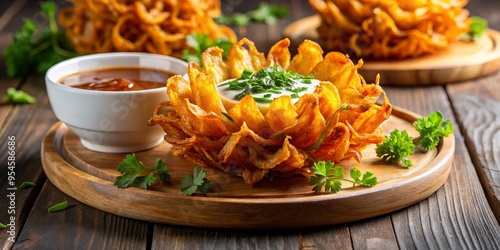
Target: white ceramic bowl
(110,121)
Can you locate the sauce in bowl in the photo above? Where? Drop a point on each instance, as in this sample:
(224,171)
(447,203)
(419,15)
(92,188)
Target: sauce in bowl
(118,79)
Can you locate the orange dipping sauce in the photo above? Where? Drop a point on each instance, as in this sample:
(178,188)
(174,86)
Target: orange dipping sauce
(118,79)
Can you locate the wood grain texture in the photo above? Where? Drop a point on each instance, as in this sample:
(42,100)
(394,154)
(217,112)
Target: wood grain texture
(78,226)
(446,218)
(477,107)
(27,124)
(267,204)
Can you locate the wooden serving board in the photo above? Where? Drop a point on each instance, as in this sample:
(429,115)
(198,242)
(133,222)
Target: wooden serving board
(460,61)
(88,177)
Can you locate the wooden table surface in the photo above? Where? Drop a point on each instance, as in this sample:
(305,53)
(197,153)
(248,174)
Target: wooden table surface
(463,214)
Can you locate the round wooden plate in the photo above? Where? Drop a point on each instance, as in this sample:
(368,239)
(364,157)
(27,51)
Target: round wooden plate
(460,61)
(88,177)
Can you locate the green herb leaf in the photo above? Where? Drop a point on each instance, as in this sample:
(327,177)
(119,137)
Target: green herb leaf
(195,182)
(328,176)
(478,28)
(198,43)
(26,184)
(367,180)
(58,207)
(17,96)
(39,48)
(228,116)
(137,174)
(396,147)
(3,226)
(268,13)
(432,128)
(265,13)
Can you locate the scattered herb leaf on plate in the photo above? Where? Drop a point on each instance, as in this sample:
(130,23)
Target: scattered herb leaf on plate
(327,176)
(195,182)
(137,174)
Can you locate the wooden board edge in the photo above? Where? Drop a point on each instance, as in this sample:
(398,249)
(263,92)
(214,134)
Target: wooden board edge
(239,213)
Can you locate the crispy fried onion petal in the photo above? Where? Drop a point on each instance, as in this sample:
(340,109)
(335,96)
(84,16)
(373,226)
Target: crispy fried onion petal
(339,119)
(155,26)
(394,29)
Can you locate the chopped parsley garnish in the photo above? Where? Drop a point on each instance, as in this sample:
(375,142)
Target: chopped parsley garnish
(327,176)
(18,97)
(267,81)
(26,184)
(58,207)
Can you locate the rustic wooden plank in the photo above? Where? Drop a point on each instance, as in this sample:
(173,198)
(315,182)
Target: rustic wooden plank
(377,233)
(78,226)
(335,237)
(174,237)
(477,106)
(458,214)
(27,123)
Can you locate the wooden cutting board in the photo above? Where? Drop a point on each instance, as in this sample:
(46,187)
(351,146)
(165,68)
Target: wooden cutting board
(460,61)
(88,177)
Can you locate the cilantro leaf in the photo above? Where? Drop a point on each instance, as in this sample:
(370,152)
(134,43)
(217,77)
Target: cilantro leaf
(195,182)
(18,96)
(137,174)
(3,226)
(432,128)
(39,48)
(198,43)
(396,147)
(328,176)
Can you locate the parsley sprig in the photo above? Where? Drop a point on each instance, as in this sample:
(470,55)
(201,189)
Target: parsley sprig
(36,46)
(137,174)
(195,182)
(267,81)
(327,176)
(396,147)
(399,145)
(431,129)
(266,13)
